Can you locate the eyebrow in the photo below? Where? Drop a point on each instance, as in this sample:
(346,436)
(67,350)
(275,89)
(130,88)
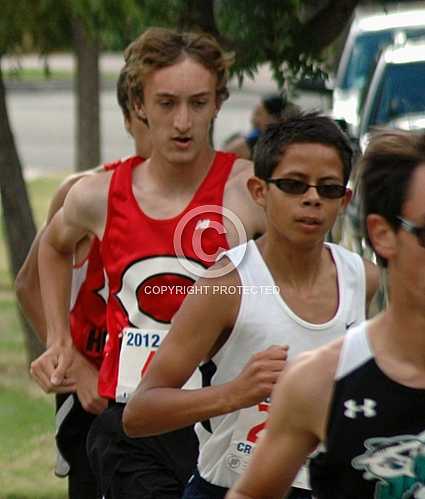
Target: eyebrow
(198,95)
(296,173)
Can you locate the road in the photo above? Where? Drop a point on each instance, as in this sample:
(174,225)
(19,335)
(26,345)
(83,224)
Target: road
(43,123)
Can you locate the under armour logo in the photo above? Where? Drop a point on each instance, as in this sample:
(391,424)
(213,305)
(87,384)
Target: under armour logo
(367,409)
(203,224)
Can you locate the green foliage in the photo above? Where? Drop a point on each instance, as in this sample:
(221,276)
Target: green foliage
(111,22)
(15,21)
(270,32)
(52,30)
(258,31)
(33,25)
(261,31)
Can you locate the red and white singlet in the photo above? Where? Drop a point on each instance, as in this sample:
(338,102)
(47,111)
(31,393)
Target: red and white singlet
(147,279)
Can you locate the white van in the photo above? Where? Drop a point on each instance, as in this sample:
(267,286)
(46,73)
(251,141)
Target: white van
(368,35)
(396,93)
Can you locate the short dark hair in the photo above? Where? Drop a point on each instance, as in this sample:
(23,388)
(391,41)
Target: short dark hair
(296,128)
(387,167)
(275,104)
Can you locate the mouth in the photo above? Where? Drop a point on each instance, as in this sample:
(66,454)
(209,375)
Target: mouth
(182,142)
(311,221)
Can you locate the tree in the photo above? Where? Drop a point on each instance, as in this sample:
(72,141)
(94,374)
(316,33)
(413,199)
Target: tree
(87,86)
(18,221)
(92,24)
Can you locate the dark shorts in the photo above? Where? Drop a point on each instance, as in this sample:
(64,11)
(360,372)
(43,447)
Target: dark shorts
(71,439)
(198,488)
(140,468)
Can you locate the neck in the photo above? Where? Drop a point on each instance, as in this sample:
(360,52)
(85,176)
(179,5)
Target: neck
(173,177)
(299,267)
(405,327)
(407,305)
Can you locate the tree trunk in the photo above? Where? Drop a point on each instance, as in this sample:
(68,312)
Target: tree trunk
(87,90)
(19,224)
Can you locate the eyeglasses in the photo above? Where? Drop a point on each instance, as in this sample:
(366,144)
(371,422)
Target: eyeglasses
(412,228)
(297,187)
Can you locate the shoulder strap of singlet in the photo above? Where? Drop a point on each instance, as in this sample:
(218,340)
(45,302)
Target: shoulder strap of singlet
(222,166)
(123,174)
(112,165)
(217,176)
(120,187)
(235,254)
(355,350)
(249,263)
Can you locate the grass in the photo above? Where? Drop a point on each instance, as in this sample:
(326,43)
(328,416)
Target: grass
(39,75)
(40,191)
(35,74)
(27,453)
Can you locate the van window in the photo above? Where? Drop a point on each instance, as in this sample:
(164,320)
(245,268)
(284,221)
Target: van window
(401,92)
(365,51)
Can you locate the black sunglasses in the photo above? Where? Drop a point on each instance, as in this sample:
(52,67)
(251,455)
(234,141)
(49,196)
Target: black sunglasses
(292,186)
(412,228)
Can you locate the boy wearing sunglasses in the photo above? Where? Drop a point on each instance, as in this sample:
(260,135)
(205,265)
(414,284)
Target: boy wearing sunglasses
(262,303)
(363,396)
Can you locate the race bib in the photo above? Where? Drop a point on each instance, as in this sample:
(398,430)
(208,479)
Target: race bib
(138,348)
(250,426)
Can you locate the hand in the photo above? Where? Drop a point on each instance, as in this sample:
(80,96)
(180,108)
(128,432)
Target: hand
(256,380)
(50,370)
(86,376)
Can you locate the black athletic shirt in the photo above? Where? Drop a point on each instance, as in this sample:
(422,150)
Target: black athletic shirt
(375,442)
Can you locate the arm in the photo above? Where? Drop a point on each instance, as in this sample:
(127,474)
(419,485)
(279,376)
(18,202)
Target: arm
(199,329)
(27,289)
(296,425)
(86,376)
(240,147)
(27,282)
(239,200)
(82,214)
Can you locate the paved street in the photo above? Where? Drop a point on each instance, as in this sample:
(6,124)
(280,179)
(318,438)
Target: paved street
(43,121)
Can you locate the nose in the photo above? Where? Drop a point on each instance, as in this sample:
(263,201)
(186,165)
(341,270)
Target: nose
(311,197)
(182,119)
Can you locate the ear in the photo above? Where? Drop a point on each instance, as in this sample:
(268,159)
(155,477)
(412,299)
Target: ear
(139,109)
(218,104)
(382,236)
(257,188)
(348,196)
